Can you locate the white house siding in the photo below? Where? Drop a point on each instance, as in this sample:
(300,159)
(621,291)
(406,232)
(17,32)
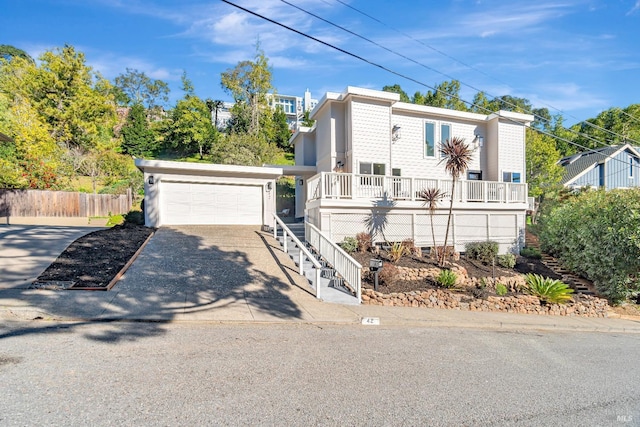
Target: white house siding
(408,152)
(324,139)
(511,150)
(370,133)
(399,224)
(491,151)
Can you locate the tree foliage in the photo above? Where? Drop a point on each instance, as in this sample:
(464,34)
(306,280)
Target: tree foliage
(248,82)
(137,88)
(137,137)
(543,171)
(397,89)
(9,52)
(244,149)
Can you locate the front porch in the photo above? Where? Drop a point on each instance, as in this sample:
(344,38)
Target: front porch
(331,185)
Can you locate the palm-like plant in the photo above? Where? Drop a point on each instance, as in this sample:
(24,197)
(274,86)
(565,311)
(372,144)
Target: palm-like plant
(431,198)
(456,154)
(548,290)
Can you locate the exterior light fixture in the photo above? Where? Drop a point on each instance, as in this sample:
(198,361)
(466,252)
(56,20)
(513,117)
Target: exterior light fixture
(300,182)
(150,180)
(395,133)
(269,186)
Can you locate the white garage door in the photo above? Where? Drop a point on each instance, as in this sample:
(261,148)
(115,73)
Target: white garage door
(200,204)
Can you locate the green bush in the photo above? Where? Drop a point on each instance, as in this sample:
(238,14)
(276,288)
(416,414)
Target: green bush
(531,253)
(134,217)
(482,251)
(446,278)
(115,220)
(597,234)
(501,289)
(349,244)
(547,290)
(507,260)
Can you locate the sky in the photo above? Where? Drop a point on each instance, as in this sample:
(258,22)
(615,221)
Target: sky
(577,57)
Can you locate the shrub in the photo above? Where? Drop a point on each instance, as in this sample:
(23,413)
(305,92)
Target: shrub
(446,278)
(531,253)
(364,242)
(115,220)
(482,251)
(396,252)
(597,234)
(349,244)
(134,217)
(548,290)
(507,260)
(411,247)
(501,289)
(388,274)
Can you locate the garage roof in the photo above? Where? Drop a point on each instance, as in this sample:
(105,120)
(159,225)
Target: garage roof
(207,169)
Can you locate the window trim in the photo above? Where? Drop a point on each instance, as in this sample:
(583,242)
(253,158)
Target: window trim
(425,151)
(511,176)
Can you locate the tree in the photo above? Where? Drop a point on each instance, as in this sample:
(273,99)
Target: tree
(446,95)
(137,138)
(244,149)
(432,197)
(306,119)
(9,52)
(138,88)
(457,155)
(543,171)
(248,82)
(281,131)
(397,89)
(190,129)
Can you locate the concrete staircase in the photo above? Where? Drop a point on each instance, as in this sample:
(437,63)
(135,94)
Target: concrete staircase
(578,283)
(331,286)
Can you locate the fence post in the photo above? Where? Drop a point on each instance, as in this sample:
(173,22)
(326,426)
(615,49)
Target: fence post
(300,261)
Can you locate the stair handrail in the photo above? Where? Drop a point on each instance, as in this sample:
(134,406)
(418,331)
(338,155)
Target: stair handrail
(342,262)
(286,231)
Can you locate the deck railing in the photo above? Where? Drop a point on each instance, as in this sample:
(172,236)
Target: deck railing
(347,267)
(354,186)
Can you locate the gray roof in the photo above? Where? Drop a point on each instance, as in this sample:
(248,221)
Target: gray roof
(5,138)
(576,165)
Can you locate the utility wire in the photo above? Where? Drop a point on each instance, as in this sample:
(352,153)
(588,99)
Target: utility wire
(353,55)
(475,69)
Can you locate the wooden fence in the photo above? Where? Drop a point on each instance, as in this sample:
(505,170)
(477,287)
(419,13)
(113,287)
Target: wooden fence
(38,203)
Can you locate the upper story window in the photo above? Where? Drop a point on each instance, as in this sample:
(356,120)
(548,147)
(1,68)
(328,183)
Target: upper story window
(288,105)
(511,177)
(630,166)
(434,133)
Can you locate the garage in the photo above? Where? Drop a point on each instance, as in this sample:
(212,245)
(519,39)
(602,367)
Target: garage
(181,193)
(217,204)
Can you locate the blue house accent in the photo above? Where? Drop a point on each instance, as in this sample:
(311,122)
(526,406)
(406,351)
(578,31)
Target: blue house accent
(611,167)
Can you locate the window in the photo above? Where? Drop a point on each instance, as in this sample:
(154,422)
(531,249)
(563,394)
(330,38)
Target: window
(511,177)
(474,175)
(630,167)
(445,133)
(396,172)
(429,139)
(601,174)
(371,169)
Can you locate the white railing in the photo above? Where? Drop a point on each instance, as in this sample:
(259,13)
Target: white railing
(347,267)
(302,254)
(354,186)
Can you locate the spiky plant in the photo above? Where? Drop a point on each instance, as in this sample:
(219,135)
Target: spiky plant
(432,197)
(447,279)
(457,155)
(546,289)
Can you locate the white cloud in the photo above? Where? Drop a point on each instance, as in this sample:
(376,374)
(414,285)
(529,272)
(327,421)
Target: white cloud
(567,96)
(635,8)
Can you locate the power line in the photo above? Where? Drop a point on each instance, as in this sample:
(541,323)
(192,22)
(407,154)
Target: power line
(473,68)
(400,74)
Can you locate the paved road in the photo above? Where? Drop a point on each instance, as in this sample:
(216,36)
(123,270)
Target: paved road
(287,374)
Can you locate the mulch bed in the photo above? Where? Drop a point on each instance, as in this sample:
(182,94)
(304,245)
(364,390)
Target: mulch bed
(94,260)
(474,269)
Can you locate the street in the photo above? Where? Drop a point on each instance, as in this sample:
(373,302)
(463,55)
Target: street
(137,374)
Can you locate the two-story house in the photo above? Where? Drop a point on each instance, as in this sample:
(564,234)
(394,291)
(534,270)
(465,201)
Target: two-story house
(369,155)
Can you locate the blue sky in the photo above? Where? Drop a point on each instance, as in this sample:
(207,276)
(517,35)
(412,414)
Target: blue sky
(575,56)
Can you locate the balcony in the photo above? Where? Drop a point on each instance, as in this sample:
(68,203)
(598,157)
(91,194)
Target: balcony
(329,185)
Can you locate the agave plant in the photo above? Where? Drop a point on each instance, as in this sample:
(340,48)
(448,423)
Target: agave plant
(446,278)
(548,290)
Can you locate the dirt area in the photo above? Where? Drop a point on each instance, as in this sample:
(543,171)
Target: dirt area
(95,259)
(474,268)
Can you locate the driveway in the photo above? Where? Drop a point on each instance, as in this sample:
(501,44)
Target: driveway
(236,272)
(27,250)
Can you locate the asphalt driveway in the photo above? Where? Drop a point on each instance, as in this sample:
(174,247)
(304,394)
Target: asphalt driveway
(27,250)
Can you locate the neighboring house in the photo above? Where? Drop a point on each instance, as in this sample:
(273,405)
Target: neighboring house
(609,167)
(369,155)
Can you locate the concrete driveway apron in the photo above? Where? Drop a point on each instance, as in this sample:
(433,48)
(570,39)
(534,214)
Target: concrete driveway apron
(27,250)
(226,273)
